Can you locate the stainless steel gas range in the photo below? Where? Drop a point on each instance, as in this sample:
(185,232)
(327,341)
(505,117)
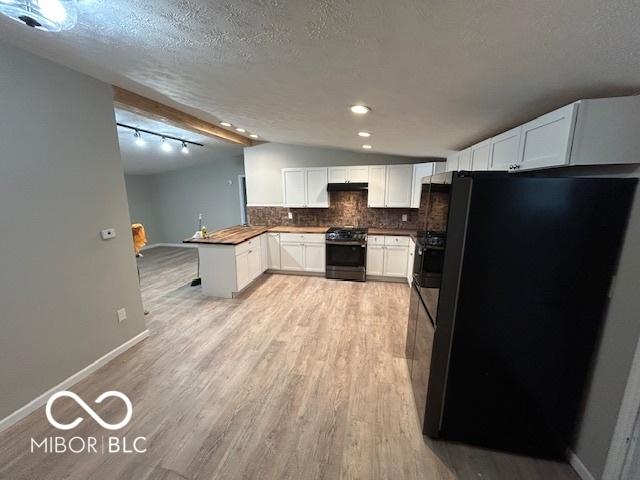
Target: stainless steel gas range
(346,250)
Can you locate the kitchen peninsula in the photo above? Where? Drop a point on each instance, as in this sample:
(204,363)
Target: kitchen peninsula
(232,258)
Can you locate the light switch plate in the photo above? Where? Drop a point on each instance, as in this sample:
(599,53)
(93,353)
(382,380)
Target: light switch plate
(404,217)
(290,215)
(122,314)
(108,233)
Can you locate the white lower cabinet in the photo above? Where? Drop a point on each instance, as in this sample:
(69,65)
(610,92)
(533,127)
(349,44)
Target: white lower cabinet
(314,257)
(291,256)
(410,261)
(264,252)
(395,261)
(273,251)
(255,263)
(228,269)
(304,255)
(242,270)
(390,259)
(248,264)
(375,260)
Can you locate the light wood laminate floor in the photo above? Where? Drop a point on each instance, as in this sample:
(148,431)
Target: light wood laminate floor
(298,378)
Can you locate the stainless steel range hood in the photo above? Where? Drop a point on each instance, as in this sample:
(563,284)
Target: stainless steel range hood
(347,187)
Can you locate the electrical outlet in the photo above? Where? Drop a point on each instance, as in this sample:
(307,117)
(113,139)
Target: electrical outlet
(108,233)
(122,315)
(290,215)
(404,217)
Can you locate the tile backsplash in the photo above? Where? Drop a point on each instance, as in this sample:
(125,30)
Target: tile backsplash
(345,208)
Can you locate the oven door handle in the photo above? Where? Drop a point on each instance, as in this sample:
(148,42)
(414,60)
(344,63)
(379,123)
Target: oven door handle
(331,242)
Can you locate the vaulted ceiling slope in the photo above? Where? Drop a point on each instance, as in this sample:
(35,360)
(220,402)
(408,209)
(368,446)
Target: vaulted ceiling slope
(438,74)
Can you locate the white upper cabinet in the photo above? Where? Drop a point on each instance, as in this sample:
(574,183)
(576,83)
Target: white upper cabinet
(354,174)
(293,187)
(359,174)
(420,170)
(377,186)
(317,195)
(452,162)
(480,156)
(338,174)
(399,182)
(464,160)
(546,141)
(305,187)
(503,150)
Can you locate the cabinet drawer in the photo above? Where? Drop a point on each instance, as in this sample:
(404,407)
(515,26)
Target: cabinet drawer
(375,240)
(254,243)
(302,237)
(396,240)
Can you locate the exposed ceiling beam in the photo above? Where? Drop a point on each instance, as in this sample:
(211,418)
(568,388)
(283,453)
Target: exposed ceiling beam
(138,104)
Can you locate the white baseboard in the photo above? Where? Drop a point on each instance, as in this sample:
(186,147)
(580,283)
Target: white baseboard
(179,245)
(582,471)
(39,401)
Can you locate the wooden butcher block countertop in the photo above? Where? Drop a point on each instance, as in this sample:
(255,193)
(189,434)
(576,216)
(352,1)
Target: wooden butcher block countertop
(393,231)
(229,236)
(285,229)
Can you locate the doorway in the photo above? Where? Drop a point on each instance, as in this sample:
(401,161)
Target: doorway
(242,186)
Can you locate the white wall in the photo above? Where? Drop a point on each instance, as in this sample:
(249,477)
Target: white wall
(142,207)
(61,182)
(263,165)
(619,337)
(170,202)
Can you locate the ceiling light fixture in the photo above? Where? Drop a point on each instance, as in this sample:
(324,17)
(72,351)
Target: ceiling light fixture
(225,124)
(138,139)
(166,146)
(253,135)
(360,109)
(367,147)
(241,130)
(364,134)
(48,15)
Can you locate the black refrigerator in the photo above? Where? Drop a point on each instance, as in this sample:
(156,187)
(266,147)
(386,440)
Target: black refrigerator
(511,283)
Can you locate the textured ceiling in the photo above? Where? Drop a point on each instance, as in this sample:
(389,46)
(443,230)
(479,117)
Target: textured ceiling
(151,159)
(438,74)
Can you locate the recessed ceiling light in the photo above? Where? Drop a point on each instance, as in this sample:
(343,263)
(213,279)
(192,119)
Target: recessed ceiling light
(225,124)
(253,135)
(364,134)
(241,130)
(367,147)
(360,109)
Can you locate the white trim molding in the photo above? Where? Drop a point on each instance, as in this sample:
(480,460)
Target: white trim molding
(40,400)
(178,245)
(266,205)
(579,467)
(627,420)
